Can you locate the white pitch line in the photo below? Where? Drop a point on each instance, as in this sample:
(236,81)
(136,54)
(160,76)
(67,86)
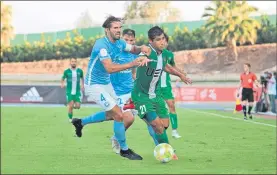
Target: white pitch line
(223,116)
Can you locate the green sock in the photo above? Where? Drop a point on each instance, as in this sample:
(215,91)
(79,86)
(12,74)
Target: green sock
(70,115)
(162,138)
(173,120)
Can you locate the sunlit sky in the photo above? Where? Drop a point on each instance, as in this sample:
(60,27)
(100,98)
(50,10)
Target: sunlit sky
(49,16)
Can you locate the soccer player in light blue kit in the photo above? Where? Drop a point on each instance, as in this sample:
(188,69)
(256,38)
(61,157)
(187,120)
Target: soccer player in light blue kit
(97,82)
(123,84)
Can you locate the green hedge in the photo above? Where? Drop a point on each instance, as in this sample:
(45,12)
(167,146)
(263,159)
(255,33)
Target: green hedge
(74,45)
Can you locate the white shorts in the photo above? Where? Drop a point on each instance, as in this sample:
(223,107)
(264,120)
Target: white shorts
(122,100)
(103,95)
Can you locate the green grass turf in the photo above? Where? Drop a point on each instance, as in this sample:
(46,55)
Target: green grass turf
(41,140)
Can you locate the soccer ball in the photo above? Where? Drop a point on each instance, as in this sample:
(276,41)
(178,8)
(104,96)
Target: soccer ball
(163,152)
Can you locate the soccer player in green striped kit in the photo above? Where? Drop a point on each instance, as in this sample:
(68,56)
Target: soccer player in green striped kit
(146,93)
(167,94)
(74,85)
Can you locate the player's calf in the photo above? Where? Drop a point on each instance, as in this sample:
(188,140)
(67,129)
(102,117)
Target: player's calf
(244,109)
(119,131)
(250,106)
(128,119)
(173,118)
(171,106)
(70,111)
(159,128)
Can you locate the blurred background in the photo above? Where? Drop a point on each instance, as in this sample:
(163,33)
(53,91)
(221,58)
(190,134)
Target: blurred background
(211,39)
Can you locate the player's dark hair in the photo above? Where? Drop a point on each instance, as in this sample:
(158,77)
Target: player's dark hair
(108,22)
(129,32)
(166,37)
(248,64)
(73,58)
(155,32)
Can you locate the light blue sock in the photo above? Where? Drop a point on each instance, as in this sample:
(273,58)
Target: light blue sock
(113,137)
(119,132)
(152,134)
(95,118)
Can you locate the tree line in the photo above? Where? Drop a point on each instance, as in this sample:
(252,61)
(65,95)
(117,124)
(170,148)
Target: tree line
(228,23)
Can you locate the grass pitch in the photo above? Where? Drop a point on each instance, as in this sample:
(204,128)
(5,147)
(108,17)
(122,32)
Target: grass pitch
(40,140)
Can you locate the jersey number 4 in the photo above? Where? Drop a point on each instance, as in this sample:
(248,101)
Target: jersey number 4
(102,98)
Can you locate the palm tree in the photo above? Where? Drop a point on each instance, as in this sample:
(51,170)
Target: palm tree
(229,22)
(6,27)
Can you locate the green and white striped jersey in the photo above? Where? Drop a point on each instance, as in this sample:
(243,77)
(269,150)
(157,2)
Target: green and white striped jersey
(73,80)
(148,77)
(165,78)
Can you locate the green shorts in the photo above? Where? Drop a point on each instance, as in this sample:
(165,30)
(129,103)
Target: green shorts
(167,93)
(144,105)
(75,98)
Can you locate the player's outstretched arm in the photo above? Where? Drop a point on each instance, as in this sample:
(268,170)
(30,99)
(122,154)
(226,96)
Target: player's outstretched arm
(173,71)
(111,67)
(139,49)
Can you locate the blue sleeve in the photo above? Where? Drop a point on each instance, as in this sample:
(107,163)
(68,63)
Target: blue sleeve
(101,50)
(135,56)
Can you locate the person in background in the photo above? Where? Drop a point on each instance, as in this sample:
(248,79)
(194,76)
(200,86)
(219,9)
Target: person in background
(271,91)
(74,86)
(247,81)
(275,76)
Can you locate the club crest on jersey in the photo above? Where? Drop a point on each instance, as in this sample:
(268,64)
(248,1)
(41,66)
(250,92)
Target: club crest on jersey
(103,52)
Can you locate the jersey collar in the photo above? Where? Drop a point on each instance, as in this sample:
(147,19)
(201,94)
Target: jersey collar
(110,41)
(154,49)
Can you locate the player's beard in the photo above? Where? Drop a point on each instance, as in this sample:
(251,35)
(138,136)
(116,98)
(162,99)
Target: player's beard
(73,66)
(115,37)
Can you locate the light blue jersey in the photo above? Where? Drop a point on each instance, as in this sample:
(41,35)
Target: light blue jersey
(123,81)
(103,49)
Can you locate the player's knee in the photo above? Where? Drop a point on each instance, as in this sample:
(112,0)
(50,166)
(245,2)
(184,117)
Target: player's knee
(165,122)
(77,106)
(128,119)
(118,116)
(159,129)
(172,109)
(157,126)
(70,106)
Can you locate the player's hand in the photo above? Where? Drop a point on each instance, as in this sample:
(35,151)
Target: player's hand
(82,88)
(186,80)
(62,85)
(146,50)
(141,61)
